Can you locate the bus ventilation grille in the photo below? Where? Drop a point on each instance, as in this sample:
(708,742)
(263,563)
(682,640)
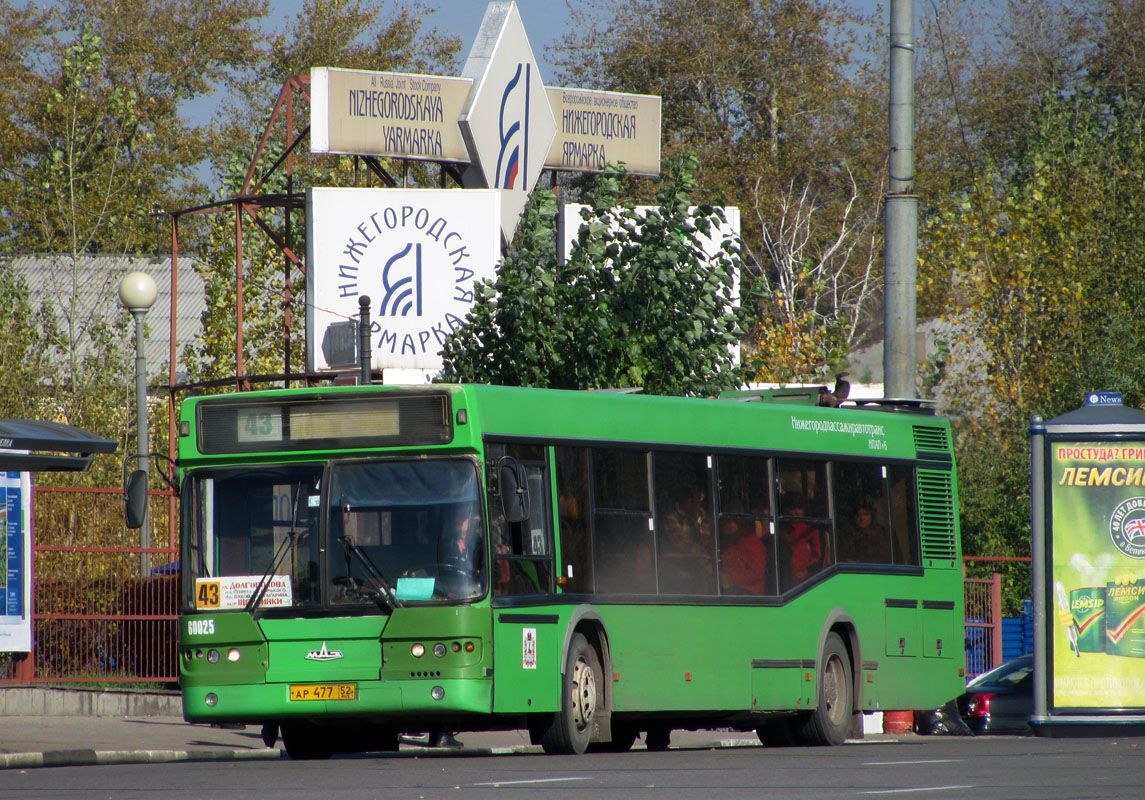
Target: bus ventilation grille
(931,439)
(936,512)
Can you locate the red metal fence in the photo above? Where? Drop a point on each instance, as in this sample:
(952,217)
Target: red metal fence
(104,607)
(983,624)
(983,596)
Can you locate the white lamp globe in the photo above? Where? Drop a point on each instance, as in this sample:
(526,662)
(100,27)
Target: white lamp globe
(137,291)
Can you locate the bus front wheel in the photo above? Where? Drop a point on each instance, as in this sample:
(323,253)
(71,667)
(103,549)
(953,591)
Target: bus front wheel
(570,729)
(830,722)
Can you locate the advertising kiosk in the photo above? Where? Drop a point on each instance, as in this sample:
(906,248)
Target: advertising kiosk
(1088,548)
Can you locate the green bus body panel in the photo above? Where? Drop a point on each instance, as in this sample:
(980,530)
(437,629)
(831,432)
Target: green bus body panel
(375,653)
(198,633)
(938,633)
(357,641)
(902,631)
(529,672)
(381,700)
(739,658)
(560,414)
(778,687)
(732,660)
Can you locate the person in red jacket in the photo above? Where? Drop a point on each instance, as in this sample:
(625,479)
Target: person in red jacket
(743,565)
(803,543)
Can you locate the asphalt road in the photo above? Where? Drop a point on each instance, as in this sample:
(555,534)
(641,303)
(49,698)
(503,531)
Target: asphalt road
(930,767)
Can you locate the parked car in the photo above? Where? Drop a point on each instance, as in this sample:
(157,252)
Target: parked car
(1001,700)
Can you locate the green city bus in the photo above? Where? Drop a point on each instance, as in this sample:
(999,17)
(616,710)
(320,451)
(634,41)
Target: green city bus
(363,562)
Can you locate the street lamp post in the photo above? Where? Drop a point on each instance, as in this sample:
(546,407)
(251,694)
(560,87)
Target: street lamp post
(137,292)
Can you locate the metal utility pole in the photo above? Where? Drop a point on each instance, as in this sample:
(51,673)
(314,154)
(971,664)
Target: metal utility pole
(901,210)
(138,292)
(365,355)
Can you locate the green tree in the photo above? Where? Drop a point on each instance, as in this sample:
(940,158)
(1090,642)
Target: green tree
(788,122)
(23,349)
(1049,267)
(97,398)
(637,304)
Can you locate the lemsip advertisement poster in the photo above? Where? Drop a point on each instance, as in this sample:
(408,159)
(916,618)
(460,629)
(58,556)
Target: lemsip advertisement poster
(1097,644)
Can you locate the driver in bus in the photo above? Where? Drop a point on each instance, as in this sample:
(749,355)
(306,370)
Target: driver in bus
(467,540)
(462,557)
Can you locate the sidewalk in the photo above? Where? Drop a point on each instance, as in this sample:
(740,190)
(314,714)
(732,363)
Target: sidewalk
(65,727)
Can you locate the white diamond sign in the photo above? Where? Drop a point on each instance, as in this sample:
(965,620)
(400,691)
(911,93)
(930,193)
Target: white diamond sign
(507,123)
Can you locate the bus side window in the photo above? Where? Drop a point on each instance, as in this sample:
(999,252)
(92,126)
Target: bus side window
(522,553)
(622,541)
(862,517)
(572,518)
(904,516)
(746,529)
(804,530)
(685,535)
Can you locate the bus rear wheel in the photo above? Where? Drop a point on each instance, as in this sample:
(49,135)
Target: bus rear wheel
(830,722)
(570,729)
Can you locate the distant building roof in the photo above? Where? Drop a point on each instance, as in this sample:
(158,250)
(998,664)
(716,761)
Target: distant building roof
(96,280)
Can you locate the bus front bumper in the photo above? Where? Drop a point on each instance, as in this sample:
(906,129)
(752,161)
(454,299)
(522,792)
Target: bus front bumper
(374,700)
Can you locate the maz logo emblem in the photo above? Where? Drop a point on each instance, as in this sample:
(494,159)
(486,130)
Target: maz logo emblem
(324,654)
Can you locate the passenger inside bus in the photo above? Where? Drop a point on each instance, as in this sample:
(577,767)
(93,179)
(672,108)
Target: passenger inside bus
(685,539)
(744,561)
(624,562)
(864,539)
(804,550)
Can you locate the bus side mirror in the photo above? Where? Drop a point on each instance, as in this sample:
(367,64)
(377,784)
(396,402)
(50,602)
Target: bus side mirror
(514,490)
(136,497)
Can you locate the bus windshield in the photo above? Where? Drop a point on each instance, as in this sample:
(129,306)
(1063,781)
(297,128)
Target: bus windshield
(397,532)
(407,529)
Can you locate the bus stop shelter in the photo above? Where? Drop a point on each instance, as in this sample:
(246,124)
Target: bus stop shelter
(28,446)
(1088,548)
(37,446)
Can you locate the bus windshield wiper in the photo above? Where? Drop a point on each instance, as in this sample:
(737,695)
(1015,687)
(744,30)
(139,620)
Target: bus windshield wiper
(293,535)
(385,596)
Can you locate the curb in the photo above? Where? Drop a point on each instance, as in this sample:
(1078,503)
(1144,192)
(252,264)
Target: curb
(35,701)
(88,758)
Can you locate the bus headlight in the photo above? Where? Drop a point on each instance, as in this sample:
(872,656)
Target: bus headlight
(233,655)
(212,656)
(418,650)
(211,699)
(439,650)
(437,692)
